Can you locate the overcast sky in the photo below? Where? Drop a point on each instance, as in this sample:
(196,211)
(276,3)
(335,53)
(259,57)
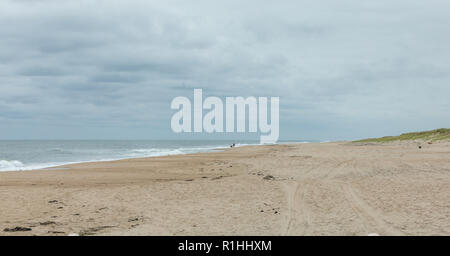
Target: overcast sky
(109,69)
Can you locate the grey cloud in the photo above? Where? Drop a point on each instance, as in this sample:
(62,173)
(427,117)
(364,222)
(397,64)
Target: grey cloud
(118,64)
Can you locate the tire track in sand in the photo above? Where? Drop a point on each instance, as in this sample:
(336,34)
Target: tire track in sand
(298,218)
(371,218)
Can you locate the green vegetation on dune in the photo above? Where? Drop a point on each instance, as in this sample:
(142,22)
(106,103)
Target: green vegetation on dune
(434,135)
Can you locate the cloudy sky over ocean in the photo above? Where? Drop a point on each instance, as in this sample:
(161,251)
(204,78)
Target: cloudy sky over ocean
(109,69)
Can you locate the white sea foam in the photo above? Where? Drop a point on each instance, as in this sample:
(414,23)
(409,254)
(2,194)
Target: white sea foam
(15,165)
(4,164)
(149,152)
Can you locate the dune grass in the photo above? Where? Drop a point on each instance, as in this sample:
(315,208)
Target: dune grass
(434,135)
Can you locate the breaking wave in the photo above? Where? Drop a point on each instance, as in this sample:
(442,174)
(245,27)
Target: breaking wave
(4,164)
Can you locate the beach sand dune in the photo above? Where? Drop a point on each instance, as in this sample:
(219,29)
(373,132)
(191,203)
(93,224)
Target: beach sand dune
(295,189)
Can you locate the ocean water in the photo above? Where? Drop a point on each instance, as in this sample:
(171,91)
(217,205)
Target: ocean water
(32,155)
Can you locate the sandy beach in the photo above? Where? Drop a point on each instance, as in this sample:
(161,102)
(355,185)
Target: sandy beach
(338,188)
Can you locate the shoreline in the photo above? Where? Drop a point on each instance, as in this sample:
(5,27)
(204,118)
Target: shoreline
(51,166)
(335,188)
(61,165)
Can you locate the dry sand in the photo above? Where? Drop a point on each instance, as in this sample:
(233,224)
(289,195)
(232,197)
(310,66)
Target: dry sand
(297,189)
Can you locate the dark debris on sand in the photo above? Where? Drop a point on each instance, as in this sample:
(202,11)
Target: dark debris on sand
(17,229)
(269,177)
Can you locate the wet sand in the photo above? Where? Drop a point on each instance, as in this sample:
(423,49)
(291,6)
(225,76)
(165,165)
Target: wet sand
(296,189)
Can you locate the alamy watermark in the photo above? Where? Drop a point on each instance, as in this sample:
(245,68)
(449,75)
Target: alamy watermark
(213,120)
